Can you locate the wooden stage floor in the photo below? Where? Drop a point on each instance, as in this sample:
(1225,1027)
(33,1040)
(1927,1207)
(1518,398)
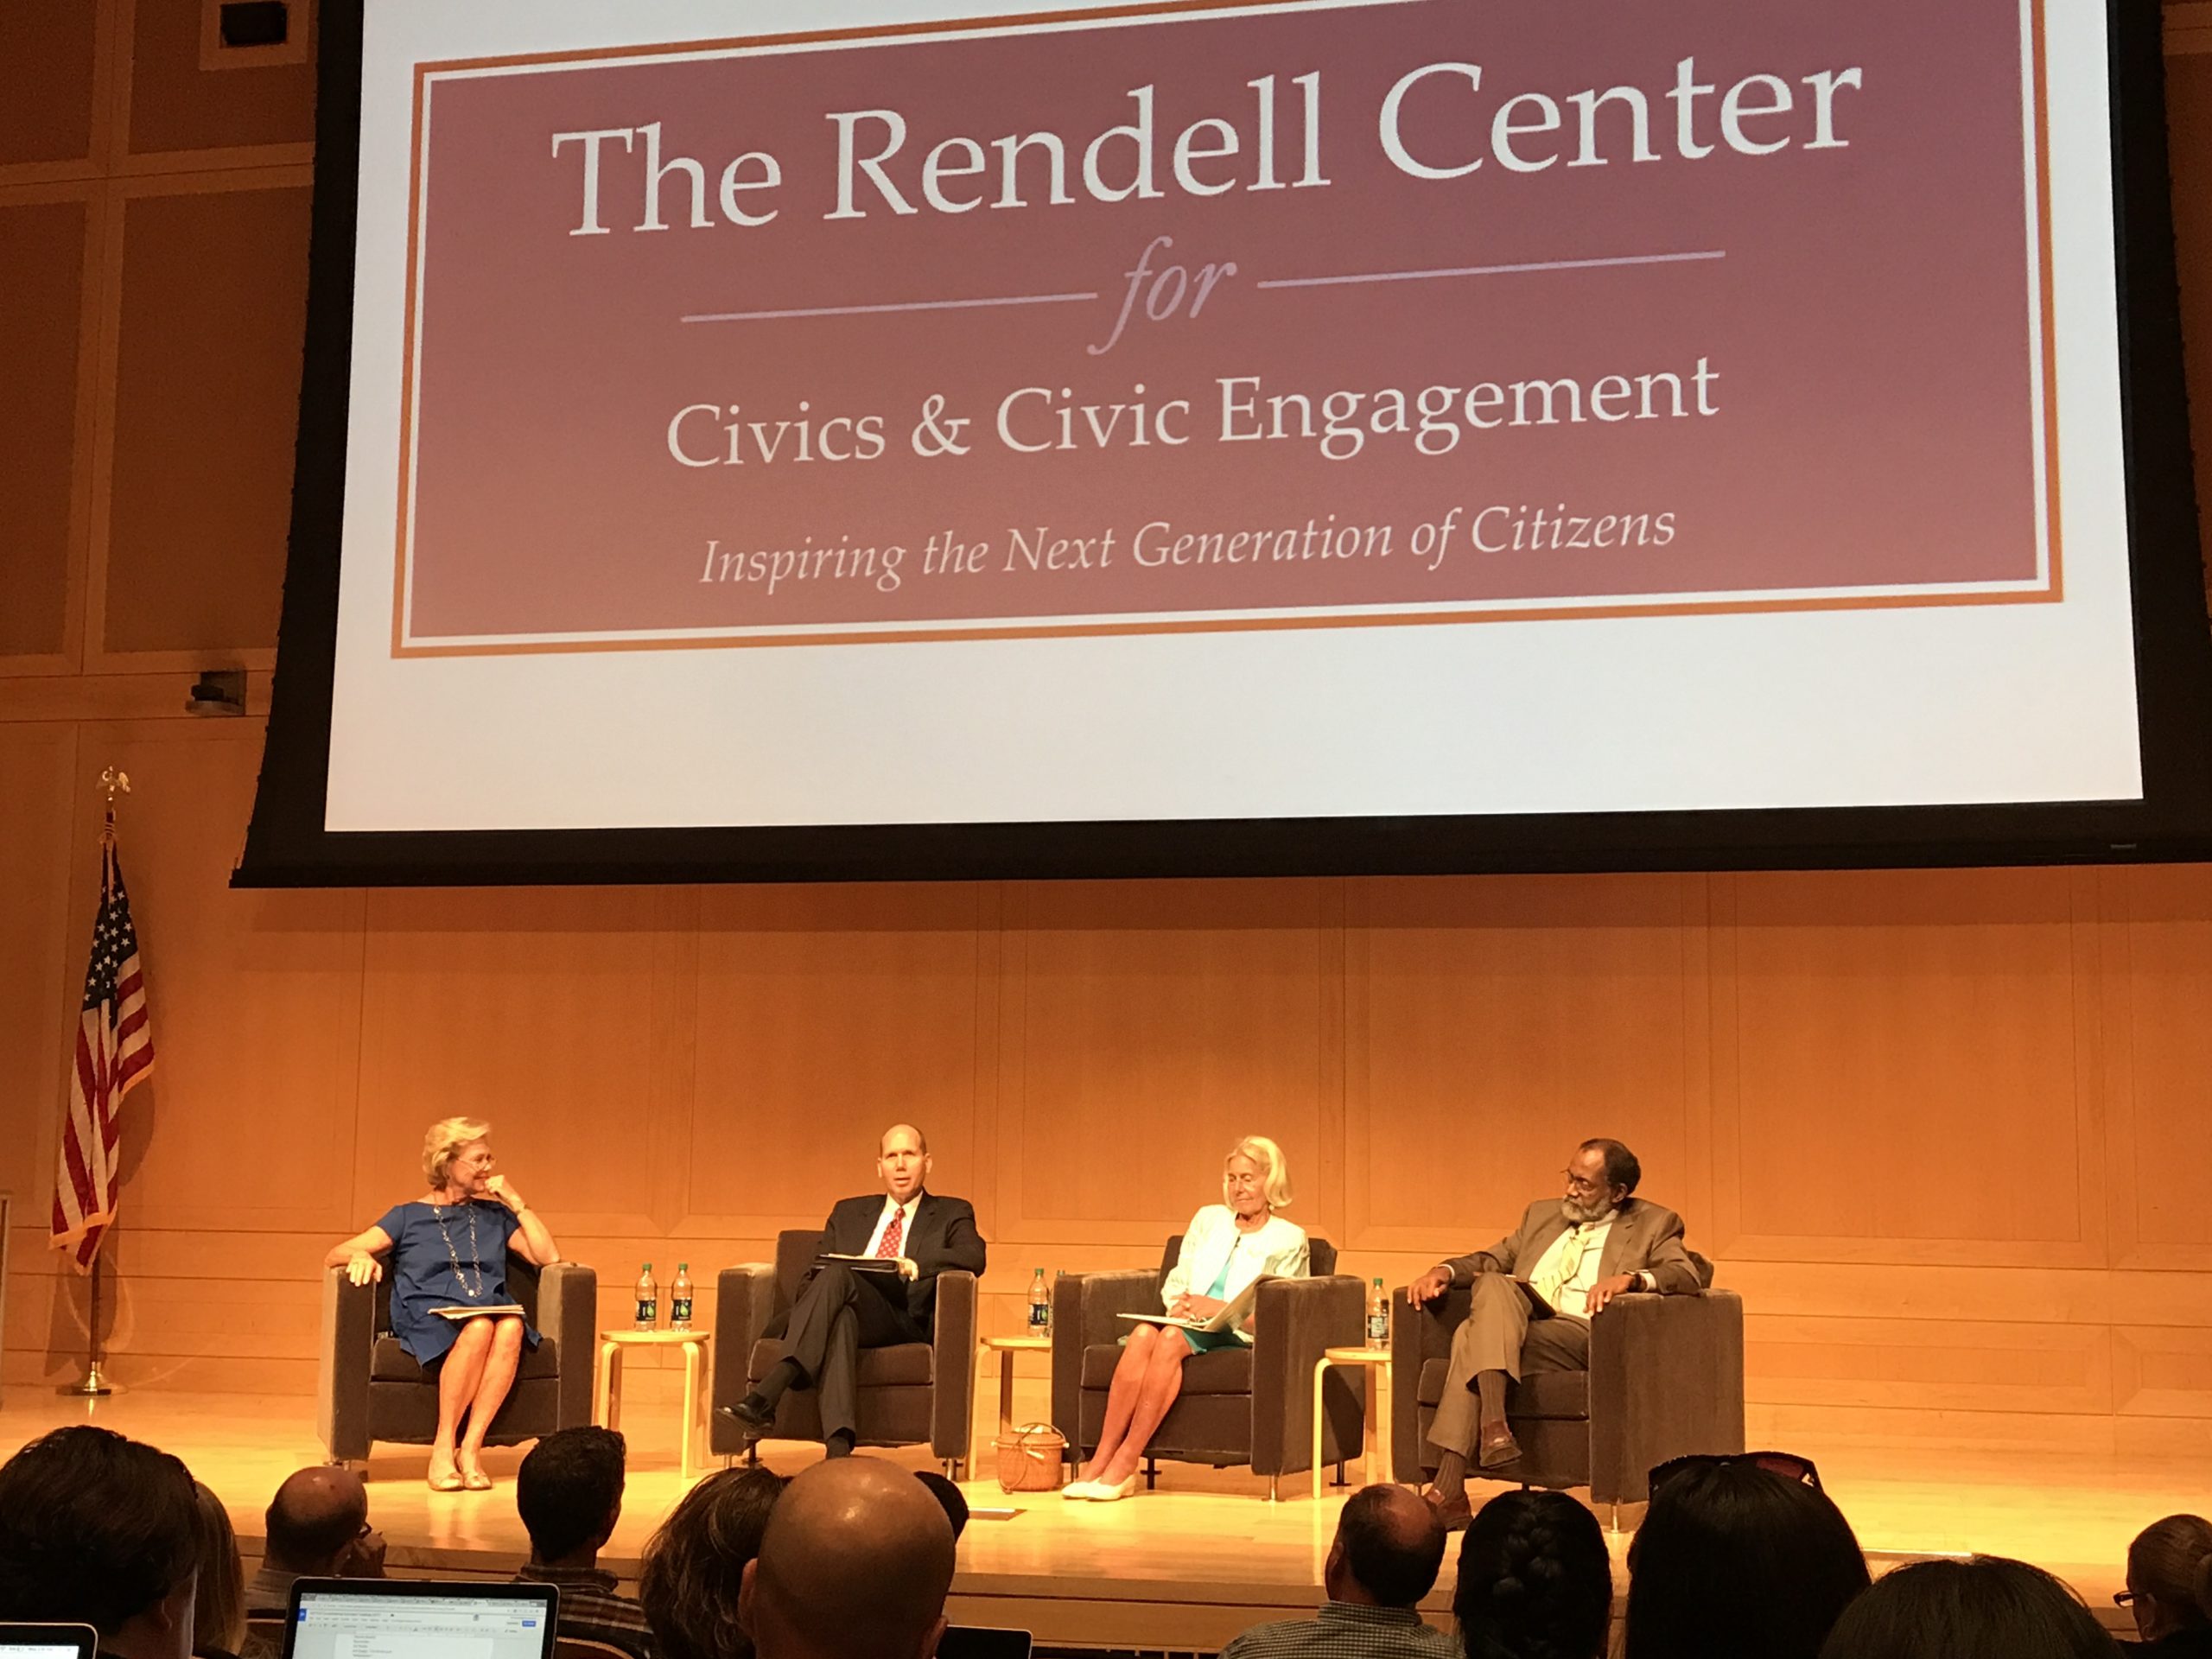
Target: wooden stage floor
(1181,1570)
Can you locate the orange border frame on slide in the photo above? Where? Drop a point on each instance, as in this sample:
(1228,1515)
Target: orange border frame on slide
(1032,628)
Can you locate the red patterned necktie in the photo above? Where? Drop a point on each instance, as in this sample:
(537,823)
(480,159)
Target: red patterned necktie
(894,1236)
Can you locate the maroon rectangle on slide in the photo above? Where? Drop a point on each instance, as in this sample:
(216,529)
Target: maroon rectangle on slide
(1202,317)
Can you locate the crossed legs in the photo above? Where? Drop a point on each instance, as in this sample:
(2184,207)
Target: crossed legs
(479,1370)
(1147,1379)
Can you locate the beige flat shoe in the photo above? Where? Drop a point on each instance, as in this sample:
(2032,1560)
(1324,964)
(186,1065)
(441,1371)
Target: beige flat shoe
(452,1483)
(1101,1492)
(476,1481)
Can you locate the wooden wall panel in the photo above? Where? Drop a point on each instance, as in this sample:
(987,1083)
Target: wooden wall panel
(532,1009)
(41,286)
(47,80)
(1863,1009)
(36,768)
(1494,1025)
(2167,1033)
(825,1015)
(207,397)
(176,104)
(1148,1026)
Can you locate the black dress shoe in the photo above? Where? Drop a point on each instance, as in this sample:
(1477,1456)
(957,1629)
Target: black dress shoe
(752,1413)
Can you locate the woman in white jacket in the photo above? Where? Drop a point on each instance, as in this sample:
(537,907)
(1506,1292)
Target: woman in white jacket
(1225,1247)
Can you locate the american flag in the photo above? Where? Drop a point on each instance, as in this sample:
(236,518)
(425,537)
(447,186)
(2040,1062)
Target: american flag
(115,1052)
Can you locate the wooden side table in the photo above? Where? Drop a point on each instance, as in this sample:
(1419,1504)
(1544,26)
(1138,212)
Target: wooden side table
(1377,1452)
(607,1408)
(1006,1348)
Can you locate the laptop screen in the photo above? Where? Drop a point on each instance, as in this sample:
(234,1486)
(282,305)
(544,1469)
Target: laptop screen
(48,1641)
(395,1620)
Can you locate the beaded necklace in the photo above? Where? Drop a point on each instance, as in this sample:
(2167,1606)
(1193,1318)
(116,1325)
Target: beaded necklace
(475,1250)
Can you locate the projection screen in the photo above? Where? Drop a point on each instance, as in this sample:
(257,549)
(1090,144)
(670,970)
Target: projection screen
(1204,438)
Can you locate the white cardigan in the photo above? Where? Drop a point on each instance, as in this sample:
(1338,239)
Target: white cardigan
(1277,1250)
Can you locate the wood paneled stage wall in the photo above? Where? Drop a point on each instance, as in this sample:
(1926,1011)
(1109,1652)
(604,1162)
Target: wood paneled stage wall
(1945,1130)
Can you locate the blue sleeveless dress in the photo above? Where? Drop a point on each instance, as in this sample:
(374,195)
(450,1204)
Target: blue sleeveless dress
(446,1255)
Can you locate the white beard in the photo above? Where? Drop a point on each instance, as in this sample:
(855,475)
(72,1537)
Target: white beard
(1584,1215)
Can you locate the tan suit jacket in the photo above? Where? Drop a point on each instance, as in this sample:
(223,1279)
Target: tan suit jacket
(1646,1237)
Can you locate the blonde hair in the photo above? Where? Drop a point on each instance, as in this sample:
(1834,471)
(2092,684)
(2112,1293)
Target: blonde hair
(219,1615)
(1274,1170)
(444,1141)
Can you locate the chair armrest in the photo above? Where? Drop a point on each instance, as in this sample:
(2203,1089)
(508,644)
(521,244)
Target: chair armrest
(1417,1336)
(342,1353)
(1086,1307)
(1666,1379)
(952,1368)
(568,1311)
(1293,1320)
(745,1299)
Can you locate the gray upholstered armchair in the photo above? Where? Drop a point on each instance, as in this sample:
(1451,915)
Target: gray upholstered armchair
(368,1388)
(909,1393)
(1666,1379)
(1238,1405)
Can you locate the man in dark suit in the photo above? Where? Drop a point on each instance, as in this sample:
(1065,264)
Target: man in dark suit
(841,1310)
(1535,1292)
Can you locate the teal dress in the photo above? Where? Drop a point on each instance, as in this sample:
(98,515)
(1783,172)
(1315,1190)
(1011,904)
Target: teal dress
(1204,1342)
(446,1255)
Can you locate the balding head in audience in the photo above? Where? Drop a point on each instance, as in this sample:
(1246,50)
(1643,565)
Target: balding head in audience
(1389,1548)
(855,1565)
(316,1521)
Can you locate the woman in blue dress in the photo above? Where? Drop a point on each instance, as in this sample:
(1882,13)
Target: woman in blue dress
(1225,1247)
(449,1251)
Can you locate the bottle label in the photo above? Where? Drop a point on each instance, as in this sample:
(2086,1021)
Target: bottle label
(648,1309)
(679,1310)
(1040,1315)
(1378,1328)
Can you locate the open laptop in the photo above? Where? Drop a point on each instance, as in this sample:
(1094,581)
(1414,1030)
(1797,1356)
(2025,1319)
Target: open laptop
(402,1619)
(49,1641)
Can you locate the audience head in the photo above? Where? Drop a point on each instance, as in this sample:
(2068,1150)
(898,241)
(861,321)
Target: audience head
(688,1579)
(218,1613)
(949,1498)
(2169,1571)
(1389,1546)
(569,1491)
(855,1565)
(1258,1164)
(97,1529)
(1535,1580)
(318,1523)
(1987,1608)
(1734,1560)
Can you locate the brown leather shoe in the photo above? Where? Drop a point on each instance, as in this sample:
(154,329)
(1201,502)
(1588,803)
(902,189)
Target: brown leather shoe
(1497,1447)
(1454,1511)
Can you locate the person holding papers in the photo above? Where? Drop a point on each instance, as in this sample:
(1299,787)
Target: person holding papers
(1227,1250)
(450,1308)
(875,1286)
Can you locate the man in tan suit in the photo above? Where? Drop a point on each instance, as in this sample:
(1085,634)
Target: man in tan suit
(1571,1255)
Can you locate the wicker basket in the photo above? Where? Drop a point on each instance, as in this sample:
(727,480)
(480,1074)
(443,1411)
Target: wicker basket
(1032,1459)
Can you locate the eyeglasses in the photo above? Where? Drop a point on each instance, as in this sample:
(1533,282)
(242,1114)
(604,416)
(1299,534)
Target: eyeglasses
(1576,1184)
(1788,1464)
(2123,1598)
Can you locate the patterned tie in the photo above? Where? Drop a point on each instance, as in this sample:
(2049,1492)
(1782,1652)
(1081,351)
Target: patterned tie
(894,1236)
(1550,1284)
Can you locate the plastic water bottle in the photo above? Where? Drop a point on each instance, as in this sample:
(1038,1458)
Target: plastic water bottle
(1040,1306)
(648,1299)
(1378,1316)
(679,1298)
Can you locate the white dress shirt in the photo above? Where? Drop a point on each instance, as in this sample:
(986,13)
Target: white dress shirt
(906,1228)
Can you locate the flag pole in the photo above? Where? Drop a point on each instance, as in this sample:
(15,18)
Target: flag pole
(94,1384)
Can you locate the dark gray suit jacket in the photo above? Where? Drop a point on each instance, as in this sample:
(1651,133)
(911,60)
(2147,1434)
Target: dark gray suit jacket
(943,1237)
